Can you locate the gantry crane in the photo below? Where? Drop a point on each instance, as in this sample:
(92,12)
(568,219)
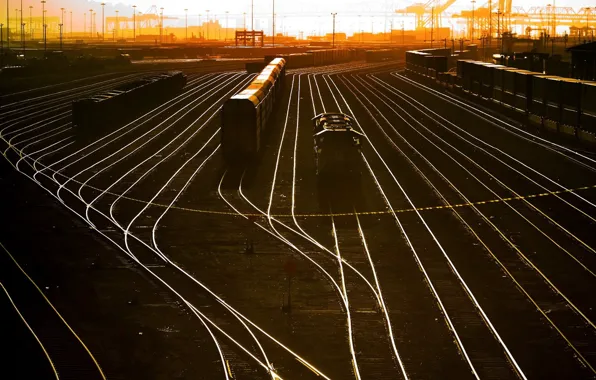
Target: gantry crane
(150,19)
(428,13)
(544,19)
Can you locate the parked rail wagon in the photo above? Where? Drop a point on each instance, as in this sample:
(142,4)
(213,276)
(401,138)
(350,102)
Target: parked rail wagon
(294,60)
(245,116)
(316,58)
(380,55)
(588,106)
(415,61)
(255,67)
(331,56)
(337,148)
(560,100)
(118,105)
(550,100)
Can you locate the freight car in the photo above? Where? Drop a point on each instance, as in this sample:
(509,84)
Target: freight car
(294,61)
(118,105)
(560,103)
(255,67)
(337,148)
(588,107)
(548,99)
(380,55)
(429,62)
(245,116)
(330,56)
(316,58)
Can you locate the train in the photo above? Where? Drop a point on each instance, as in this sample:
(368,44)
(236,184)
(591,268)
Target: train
(328,57)
(553,101)
(245,116)
(122,103)
(557,103)
(337,148)
(428,61)
(315,58)
(381,55)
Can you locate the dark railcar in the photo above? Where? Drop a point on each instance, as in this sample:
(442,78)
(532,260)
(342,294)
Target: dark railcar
(245,116)
(115,107)
(588,104)
(255,67)
(337,148)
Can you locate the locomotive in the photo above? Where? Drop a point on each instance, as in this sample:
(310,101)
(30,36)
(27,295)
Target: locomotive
(337,148)
(245,116)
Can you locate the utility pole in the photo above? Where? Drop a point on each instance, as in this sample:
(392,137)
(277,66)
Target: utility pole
(62,28)
(22,30)
(186,23)
(134,23)
(244,14)
(207,24)
(91,23)
(117,26)
(8,25)
(499,26)
(226,35)
(31,22)
(587,19)
(84,23)
(1,45)
(554,20)
(43,21)
(273,26)
(472,28)
(490,21)
(103,22)
(432,25)
(334,14)
(252,14)
(391,32)
(161,26)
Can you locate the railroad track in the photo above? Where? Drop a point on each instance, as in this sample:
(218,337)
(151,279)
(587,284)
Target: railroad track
(57,345)
(477,292)
(418,126)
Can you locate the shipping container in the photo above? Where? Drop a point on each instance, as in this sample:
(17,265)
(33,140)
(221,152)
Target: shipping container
(539,90)
(571,101)
(588,103)
(523,89)
(476,71)
(487,79)
(553,98)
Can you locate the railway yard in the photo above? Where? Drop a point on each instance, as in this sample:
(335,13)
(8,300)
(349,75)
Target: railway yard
(136,252)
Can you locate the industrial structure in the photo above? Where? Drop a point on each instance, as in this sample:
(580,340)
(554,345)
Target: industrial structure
(150,20)
(492,18)
(250,38)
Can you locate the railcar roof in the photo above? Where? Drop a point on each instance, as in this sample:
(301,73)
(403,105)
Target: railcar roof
(266,74)
(334,120)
